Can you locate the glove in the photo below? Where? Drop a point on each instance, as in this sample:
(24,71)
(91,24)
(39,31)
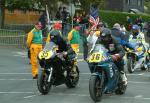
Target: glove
(115,57)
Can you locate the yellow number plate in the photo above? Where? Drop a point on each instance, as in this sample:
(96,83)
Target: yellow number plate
(95,57)
(45,54)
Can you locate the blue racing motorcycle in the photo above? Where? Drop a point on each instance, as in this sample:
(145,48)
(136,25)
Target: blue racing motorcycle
(105,76)
(136,58)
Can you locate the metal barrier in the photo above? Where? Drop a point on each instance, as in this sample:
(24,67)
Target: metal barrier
(12,38)
(18,37)
(24,27)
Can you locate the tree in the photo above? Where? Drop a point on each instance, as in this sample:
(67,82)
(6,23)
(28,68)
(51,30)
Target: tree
(85,4)
(2,6)
(147,4)
(53,5)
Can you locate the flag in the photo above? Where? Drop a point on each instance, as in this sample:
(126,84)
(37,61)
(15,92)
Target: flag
(94,17)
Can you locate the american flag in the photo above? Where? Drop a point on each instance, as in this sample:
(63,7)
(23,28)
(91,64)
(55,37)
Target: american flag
(94,17)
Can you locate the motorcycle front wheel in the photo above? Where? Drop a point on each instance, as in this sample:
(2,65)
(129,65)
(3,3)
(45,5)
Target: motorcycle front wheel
(42,82)
(95,88)
(130,65)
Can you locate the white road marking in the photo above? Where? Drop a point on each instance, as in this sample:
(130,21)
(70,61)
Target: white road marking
(136,74)
(80,60)
(21,53)
(29,96)
(14,73)
(72,94)
(16,92)
(16,79)
(20,56)
(138,96)
(136,82)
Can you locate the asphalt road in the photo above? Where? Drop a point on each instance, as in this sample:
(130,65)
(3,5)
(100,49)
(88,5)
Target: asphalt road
(17,85)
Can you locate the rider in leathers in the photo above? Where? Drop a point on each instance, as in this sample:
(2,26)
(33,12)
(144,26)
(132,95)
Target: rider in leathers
(63,46)
(115,49)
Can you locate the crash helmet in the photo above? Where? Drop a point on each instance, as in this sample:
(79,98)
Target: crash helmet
(135,29)
(54,36)
(106,36)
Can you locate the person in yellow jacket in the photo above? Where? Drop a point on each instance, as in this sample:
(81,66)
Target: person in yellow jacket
(34,43)
(56,27)
(74,38)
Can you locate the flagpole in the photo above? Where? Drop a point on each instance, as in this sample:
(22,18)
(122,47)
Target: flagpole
(71,15)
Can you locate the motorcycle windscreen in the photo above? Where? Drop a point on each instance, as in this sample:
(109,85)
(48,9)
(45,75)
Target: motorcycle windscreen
(48,51)
(49,46)
(98,54)
(135,42)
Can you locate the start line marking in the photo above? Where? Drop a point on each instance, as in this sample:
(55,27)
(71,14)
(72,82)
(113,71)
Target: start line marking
(138,97)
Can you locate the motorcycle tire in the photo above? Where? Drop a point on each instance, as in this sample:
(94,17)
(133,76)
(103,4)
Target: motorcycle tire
(121,89)
(43,85)
(95,88)
(143,68)
(145,63)
(71,81)
(130,65)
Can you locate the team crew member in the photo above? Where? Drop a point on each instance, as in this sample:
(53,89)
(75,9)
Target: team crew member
(34,43)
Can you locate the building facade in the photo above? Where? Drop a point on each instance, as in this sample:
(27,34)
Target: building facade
(125,5)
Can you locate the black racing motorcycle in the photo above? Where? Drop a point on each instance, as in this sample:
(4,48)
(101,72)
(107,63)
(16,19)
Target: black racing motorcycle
(55,70)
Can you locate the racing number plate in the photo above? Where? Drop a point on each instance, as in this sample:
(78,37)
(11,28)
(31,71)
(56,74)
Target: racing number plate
(45,54)
(95,57)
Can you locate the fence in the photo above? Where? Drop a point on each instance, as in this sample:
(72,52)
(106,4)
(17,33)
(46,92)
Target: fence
(15,35)
(14,38)
(23,27)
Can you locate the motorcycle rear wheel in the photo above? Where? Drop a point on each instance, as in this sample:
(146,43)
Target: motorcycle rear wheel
(42,82)
(145,63)
(121,89)
(72,81)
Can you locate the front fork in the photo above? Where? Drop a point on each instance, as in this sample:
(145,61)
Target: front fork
(101,77)
(50,75)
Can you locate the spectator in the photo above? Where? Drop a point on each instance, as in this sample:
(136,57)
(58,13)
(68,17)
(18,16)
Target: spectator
(65,14)
(139,22)
(85,19)
(77,18)
(59,14)
(116,31)
(74,38)
(129,21)
(34,42)
(43,20)
(65,18)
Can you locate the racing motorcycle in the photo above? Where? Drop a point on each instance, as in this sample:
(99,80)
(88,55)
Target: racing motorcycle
(136,58)
(148,59)
(105,76)
(55,70)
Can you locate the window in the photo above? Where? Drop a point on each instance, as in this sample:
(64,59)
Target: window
(139,2)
